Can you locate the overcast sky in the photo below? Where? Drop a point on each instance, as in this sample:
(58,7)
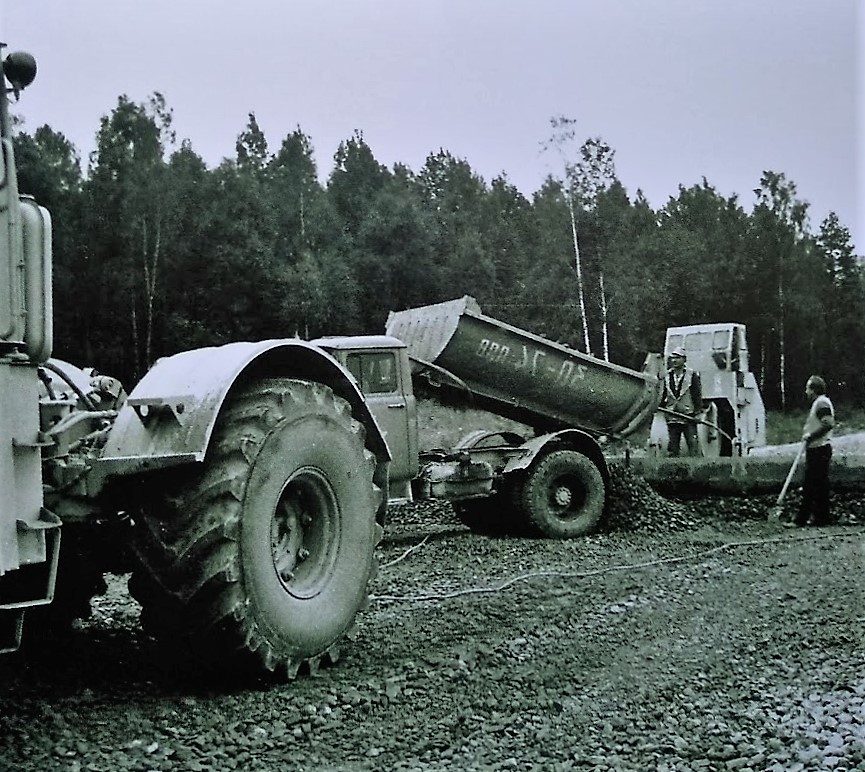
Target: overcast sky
(681,89)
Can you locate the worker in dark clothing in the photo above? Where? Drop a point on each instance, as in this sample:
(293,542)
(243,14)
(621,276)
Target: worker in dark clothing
(817,436)
(683,394)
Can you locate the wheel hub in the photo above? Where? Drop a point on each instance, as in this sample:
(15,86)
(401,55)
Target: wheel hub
(563,496)
(304,533)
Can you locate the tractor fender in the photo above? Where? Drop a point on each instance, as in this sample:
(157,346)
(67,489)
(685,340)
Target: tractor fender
(169,417)
(566,439)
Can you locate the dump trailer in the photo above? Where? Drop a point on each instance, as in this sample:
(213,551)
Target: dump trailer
(554,482)
(523,376)
(242,486)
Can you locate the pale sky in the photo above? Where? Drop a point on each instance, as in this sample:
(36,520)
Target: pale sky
(681,89)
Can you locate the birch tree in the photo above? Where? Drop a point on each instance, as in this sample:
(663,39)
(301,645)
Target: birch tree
(588,171)
(777,195)
(129,213)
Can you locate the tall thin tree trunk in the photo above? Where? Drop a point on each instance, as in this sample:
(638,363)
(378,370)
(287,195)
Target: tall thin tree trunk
(134,318)
(151,295)
(150,265)
(764,342)
(579,276)
(604,318)
(782,363)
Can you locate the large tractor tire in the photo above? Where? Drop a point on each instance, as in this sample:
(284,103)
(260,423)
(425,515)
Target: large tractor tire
(562,496)
(264,557)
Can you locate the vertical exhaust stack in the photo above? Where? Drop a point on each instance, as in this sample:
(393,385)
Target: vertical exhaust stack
(26,312)
(29,533)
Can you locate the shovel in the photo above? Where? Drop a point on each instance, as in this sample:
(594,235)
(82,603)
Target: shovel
(776,511)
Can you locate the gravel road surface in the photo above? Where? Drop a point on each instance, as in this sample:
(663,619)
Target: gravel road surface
(725,643)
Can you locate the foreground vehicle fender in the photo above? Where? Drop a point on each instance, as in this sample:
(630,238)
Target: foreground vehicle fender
(169,417)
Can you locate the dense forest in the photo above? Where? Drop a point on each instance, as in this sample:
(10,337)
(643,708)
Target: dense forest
(154,252)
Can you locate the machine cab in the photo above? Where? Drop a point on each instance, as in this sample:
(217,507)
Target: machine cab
(711,349)
(719,353)
(379,365)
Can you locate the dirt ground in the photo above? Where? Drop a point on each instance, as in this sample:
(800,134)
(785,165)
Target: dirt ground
(730,644)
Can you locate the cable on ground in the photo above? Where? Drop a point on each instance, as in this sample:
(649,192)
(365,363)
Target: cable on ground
(405,554)
(596,572)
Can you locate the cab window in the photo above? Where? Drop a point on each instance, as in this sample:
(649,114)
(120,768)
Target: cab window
(375,372)
(696,341)
(721,340)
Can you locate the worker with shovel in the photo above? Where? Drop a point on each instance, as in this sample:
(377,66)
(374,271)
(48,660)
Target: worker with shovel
(817,439)
(683,402)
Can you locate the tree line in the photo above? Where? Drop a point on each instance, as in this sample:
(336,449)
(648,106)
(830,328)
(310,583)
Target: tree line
(154,252)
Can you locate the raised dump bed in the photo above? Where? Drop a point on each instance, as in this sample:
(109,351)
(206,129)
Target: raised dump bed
(523,376)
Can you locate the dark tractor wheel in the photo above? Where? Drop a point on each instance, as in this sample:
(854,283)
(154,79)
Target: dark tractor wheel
(79,580)
(563,495)
(266,555)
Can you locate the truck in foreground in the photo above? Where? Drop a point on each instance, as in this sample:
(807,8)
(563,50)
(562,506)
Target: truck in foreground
(551,479)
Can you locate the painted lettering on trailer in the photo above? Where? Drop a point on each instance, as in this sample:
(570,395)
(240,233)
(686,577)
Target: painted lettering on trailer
(494,352)
(565,374)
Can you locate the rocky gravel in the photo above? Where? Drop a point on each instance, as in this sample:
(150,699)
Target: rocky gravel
(688,635)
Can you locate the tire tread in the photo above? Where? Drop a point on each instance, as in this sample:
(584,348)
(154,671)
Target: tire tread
(188,572)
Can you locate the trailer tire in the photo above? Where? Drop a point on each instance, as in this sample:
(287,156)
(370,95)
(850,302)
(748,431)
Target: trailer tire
(263,558)
(563,495)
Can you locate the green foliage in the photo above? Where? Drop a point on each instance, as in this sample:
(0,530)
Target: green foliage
(251,147)
(355,182)
(294,188)
(783,428)
(155,253)
(844,304)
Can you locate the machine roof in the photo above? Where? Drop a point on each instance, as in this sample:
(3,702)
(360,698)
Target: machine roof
(712,327)
(358,341)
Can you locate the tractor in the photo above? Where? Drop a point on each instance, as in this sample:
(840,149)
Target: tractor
(243,487)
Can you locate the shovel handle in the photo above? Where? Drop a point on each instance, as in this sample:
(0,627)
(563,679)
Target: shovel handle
(790,475)
(694,419)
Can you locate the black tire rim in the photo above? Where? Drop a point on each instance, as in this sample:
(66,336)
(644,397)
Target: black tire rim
(304,533)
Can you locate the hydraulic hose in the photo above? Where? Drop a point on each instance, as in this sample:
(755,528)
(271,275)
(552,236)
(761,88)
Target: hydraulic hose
(81,395)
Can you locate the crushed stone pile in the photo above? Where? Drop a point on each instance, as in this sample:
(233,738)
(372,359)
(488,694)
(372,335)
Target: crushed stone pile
(633,505)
